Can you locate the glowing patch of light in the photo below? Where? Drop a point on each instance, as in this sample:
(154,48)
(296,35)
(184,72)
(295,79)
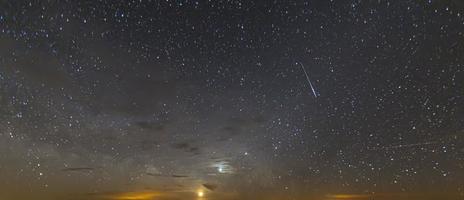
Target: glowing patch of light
(348,196)
(223,167)
(135,196)
(220,169)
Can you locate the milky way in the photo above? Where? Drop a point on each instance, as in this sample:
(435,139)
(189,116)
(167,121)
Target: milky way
(188,99)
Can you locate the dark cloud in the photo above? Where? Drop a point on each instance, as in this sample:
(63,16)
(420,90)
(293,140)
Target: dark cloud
(179,176)
(187,147)
(210,186)
(73,169)
(167,175)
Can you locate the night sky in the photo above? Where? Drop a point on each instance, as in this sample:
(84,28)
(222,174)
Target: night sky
(231,100)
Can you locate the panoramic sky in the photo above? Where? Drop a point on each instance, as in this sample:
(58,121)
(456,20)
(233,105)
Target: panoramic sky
(231,100)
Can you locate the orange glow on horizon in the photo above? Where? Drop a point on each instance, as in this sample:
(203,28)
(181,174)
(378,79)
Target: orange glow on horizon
(135,196)
(348,196)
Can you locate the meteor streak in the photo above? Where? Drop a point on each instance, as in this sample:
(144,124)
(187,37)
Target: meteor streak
(309,81)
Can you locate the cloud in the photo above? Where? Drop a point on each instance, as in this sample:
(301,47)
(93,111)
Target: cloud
(187,147)
(166,175)
(78,169)
(210,186)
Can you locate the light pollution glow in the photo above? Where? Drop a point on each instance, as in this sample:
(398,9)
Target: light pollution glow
(348,196)
(144,195)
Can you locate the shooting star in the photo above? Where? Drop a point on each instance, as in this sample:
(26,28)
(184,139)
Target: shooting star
(309,81)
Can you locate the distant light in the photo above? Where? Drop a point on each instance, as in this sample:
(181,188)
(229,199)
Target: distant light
(200,194)
(143,195)
(223,167)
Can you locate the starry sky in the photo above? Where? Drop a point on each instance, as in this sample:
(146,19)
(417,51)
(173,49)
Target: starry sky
(226,100)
